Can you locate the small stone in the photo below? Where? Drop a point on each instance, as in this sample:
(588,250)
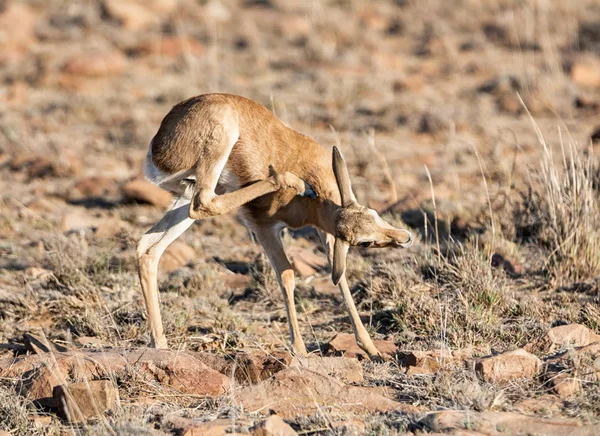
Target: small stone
(193,427)
(544,405)
(235,281)
(143,191)
(174,47)
(273,426)
(130,14)
(92,186)
(36,273)
(138,14)
(508,366)
(564,336)
(512,269)
(258,366)
(103,227)
(565,386)
(426,362)
(305,262)
(586,73)
(40,421)
(177,255)
(295,26)
(96,64)
(345,344)
(17,26)
(38,166)
(89,342)
(349,370)
(80,401)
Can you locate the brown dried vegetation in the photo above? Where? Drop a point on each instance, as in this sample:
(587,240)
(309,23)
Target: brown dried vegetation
(473,123)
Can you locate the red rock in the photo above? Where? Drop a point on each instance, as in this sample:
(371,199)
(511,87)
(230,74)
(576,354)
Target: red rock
(544,405)
(89,342)
(592,349)
(257,366)
(586,73)
(235,281)
(565,386)
(295,26)
(345,344)
(508,366)
(426,362)
(293,392)
(143,191)
(192,427)
(183,371)
(103,227)
(139,14)
(17,24)
(46,205)
(130,15)
(564,336)
(273,426)
(99,64)
(17,94)
(38,166)
(346,369)
(175,46)
(493,423)
(324,286)
(305,262)
(36,273)
(217,12)
(93,186)
(80,401)
(40,421)
(177,255)
(77,220)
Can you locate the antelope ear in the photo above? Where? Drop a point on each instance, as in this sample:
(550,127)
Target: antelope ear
(340,250)
(343,178)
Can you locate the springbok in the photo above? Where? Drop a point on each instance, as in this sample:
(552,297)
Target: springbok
(220,152)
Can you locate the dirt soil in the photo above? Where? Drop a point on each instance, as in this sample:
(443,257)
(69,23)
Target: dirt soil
(473,123)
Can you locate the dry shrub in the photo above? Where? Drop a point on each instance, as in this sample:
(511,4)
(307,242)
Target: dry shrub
(459,300)
(14,415)
(561,212)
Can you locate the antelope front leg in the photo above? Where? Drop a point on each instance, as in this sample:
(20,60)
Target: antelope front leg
(206,203)
(270,239)
(360,332)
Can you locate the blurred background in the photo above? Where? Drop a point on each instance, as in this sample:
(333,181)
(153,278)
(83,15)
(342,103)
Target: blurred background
(86,83)
(457,118)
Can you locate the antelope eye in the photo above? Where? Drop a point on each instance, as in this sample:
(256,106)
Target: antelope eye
(365,244)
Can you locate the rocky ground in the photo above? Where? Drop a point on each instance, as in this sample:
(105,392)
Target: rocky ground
(472,123)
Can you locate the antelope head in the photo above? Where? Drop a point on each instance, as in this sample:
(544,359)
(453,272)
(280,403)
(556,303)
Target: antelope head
(357,225)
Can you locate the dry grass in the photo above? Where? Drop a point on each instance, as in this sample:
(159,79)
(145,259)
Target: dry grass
(560,211)
(502,191)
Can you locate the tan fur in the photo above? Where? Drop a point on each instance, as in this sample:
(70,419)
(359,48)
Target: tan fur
(213,137)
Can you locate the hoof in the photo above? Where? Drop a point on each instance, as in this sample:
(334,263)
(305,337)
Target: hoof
(309,191)
(159,344)
(376,358)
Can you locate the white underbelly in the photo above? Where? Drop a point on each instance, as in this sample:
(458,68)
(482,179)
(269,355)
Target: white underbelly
(182,182)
